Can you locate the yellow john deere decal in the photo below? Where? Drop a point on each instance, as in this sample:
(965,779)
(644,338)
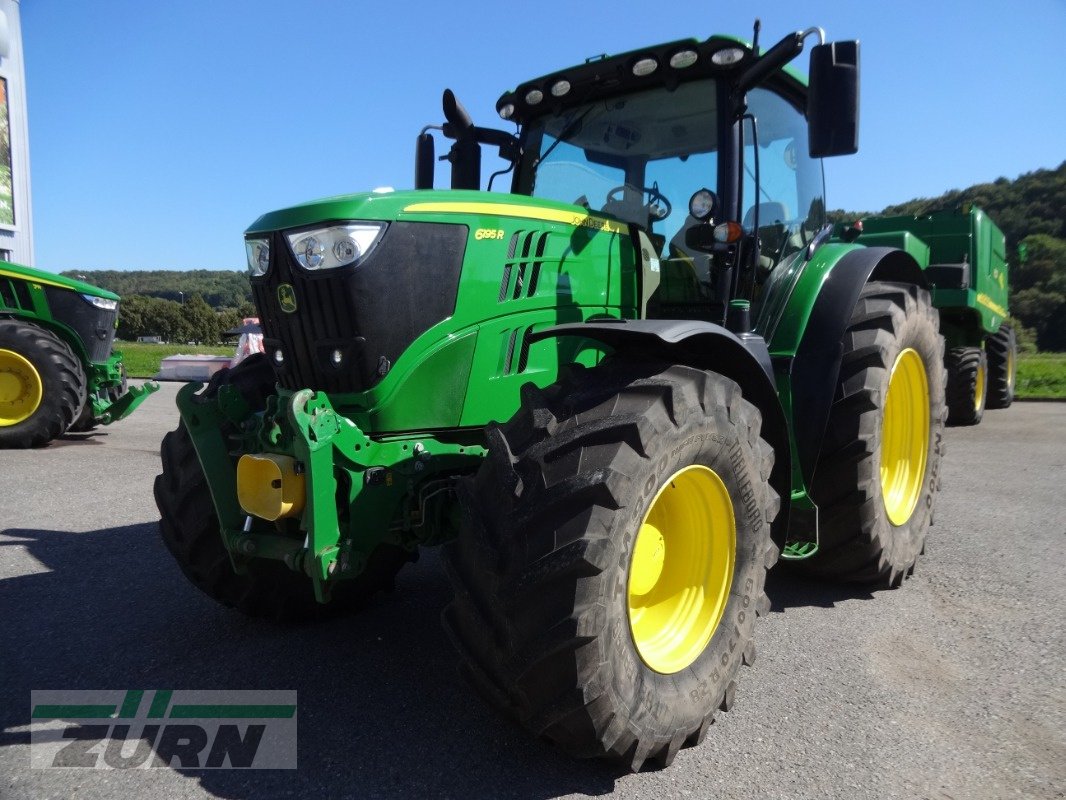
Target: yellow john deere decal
(287,298)
(990,304)
(524,212)
(34,281)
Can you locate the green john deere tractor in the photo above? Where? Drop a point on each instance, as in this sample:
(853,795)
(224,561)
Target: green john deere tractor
(616,393)
(57,371)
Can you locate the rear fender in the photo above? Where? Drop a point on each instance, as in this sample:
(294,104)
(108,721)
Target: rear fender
(706,346)
(814,368)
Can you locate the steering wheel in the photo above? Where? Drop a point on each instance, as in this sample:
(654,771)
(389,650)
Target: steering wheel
(658,206)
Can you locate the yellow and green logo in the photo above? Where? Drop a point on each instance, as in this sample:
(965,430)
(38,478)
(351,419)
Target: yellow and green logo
(287,298)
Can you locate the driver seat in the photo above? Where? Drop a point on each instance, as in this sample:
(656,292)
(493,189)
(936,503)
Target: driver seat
(772,233)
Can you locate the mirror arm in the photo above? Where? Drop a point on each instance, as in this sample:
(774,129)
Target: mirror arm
(772,60)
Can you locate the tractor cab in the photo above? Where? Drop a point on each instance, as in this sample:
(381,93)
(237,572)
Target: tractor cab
(709,148)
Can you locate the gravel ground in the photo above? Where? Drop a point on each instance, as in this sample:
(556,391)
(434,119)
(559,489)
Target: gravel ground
(952,687)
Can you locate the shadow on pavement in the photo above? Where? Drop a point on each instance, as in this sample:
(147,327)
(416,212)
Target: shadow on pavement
(88,437)
(787,590)
(382,710)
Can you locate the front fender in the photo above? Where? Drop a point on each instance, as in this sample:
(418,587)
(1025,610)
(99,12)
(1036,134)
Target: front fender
(704,345)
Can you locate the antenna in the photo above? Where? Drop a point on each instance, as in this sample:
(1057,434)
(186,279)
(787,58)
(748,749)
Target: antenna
(755,37)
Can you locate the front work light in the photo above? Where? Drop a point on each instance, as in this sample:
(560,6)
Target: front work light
(727,56)
(683,59)
(645,66)
(703,204)
(336,246)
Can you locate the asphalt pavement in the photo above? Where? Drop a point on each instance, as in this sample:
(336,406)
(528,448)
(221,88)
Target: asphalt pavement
(951,687)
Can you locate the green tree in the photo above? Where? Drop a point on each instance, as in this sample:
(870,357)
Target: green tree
(1045,262)
(168,319)
(134,315)
(228,319)
(202,323)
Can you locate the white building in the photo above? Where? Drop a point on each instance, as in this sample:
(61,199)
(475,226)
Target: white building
(16,218)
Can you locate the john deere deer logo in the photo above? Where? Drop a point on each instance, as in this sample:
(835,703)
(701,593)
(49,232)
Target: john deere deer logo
(287,298)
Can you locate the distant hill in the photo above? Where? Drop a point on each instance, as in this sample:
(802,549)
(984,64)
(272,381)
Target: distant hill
(218,288)
(1032,203)
(1031,211)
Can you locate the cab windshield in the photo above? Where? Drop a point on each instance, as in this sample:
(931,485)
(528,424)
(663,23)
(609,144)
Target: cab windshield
(640,157)
(637,158)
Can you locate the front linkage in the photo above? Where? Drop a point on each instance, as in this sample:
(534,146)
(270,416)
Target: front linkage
(109,397)
(314,491)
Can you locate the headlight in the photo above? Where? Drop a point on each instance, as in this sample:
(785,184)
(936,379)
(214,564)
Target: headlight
(338,246)
(258,255)
(100,302)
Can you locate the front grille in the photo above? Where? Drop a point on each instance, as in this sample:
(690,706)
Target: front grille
(370,313)
(95,326)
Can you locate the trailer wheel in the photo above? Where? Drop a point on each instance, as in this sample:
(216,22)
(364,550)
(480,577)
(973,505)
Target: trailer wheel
(967,385)
(1002,350)
(42,385)
(189,528)
(612,558)
(878,474)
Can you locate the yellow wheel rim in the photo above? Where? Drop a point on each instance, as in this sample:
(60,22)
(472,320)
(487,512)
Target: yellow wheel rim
(979,389)
(20,388)
(904,436)
(681,569)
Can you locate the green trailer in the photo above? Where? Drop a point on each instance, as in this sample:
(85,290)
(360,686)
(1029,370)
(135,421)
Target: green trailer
(617,390)
(57,370)
(963,254)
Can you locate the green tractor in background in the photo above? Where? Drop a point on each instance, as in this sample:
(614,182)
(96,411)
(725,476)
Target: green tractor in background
(616,393)
(57,371)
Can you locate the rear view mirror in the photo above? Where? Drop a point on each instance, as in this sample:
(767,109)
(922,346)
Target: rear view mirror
(833,100)
(425,161)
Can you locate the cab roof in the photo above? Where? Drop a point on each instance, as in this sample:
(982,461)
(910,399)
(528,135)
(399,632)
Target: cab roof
(607,76)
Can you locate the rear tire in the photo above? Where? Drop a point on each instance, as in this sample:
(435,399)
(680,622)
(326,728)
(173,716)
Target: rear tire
(554,598)
(42,385)
(967,387)
(1002,350)
(190,530)
(878,473)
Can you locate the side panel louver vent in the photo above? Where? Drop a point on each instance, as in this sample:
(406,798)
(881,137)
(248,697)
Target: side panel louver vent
(514,352)
(521,272)
(14,296)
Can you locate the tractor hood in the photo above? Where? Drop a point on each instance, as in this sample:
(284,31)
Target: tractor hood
(9,270)
(443,205)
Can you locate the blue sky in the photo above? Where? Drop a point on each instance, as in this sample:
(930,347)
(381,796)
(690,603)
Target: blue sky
(159,131)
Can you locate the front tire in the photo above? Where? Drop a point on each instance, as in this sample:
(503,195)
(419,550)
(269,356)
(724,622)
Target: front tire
(878,473)
(612,558)
(42,385)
